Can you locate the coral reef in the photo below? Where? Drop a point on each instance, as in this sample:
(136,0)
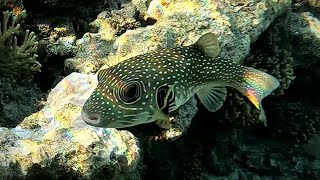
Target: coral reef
(228,154)
(295,121)
(314,4)
(174,28)
(18,98)
(267,55)
(19,95)
(93,49)
(295,115)
(300,32)
(55,143)
(14,59)
(55,139)
(122,20)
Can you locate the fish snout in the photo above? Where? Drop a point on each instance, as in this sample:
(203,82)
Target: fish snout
(90,118)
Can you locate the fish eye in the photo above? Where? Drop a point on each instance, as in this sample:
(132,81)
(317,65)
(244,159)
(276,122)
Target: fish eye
(130,92)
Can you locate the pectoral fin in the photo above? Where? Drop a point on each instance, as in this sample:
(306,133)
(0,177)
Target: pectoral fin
(212,97)
(162,120)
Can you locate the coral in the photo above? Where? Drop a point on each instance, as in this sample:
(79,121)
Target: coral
(56,142)
(295,121)
(18,99)
(121,20)
(237,111)
(315,4)
(300,34)
(62,27)
(180,159)
(182,23)
(17,59)
(268,55)
(279,65)
(156,9)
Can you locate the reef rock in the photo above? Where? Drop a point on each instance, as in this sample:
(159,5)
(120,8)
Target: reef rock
(56,142)
(180,22)
(302,35)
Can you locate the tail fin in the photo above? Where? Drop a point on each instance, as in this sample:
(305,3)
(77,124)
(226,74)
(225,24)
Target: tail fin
(256,86)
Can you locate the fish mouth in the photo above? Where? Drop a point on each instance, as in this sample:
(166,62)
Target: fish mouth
(91,119)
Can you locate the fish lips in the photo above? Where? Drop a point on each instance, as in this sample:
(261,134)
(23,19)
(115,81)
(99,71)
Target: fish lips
(94,119)
(90,118)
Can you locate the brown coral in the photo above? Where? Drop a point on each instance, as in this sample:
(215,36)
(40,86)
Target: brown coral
(315,4)
(280,66)
(238,110)
(295,121)
(268,56)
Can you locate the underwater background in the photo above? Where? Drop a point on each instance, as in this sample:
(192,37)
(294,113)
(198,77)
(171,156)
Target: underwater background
(50,50)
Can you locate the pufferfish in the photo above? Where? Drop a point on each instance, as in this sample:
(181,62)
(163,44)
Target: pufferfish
(148,87)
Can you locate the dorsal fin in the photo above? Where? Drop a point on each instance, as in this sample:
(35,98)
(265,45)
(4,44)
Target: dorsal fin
(108,62)
(112,60)
(209,44)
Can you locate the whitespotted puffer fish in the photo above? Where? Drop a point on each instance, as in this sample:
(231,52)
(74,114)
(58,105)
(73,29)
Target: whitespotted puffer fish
(147,88)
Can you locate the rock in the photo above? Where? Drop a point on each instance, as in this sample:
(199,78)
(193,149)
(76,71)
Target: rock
(301,33)
(18,98)
(182,23)
(55,141)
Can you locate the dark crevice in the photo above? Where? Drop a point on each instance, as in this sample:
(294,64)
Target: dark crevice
(51,71)
(79,13)
(144,23)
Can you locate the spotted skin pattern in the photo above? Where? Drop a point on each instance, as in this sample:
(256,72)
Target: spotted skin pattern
(187,69)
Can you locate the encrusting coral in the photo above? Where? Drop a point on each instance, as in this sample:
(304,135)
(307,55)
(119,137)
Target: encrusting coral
(16,59)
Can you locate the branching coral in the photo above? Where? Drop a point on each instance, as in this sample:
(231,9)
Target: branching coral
(295,122)
(280,65)
(16,59)
(238,111)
